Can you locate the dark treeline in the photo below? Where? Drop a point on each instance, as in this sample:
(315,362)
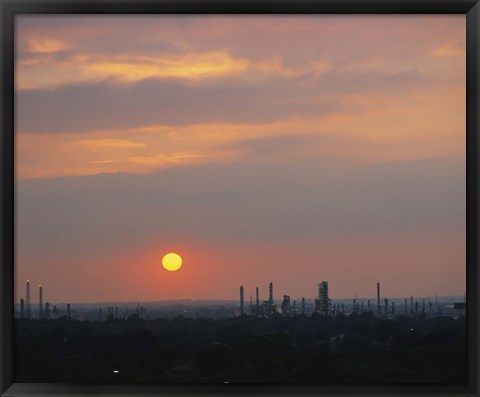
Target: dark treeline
(354,349)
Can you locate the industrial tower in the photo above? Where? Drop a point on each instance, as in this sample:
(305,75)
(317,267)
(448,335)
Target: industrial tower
(22,308)
(323,298)
(286,307)
(40,301)
(28,301)
(379,309)
(241,300)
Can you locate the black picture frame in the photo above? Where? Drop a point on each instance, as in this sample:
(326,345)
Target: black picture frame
(10,8)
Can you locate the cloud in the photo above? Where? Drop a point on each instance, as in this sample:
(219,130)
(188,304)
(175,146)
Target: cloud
(73,67)
(370,130)
(105,105)
(102,144)
(164,159)
(451,49)
(297,147)
(46,45)
(101,162)
(168,46)
(188,66)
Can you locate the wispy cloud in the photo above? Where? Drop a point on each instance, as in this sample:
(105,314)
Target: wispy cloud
(163,159)
(188,66)
(102,144)
(46,45)
(101,162)
(86,67)
(451,49)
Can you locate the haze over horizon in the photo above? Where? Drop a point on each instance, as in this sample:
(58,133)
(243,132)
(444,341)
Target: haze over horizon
(278,300)
(258,148)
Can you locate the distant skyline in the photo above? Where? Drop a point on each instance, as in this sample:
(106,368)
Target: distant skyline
(279,298)
(267,148)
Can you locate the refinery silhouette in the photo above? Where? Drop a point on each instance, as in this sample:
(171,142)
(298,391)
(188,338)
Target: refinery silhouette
(323,305)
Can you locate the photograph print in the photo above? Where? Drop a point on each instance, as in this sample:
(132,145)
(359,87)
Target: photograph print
(268,199)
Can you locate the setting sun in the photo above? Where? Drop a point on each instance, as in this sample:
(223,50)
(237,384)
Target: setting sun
(172,262)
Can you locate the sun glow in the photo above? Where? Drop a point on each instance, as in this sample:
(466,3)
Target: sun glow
(172,262)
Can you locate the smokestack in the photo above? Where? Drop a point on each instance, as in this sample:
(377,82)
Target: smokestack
(28,301)
(368,305)
(22,308)
(257,312)
(40,301)
(241,300)
(378,301)
(423,306)
(69,314)
(270,292)
(411,306)
(406,306)
(386,308)
(393,309)
(303,305)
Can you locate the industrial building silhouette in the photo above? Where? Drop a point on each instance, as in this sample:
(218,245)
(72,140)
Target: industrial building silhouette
(322,305)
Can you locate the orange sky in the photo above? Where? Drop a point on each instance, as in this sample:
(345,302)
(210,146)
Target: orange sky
(259,148)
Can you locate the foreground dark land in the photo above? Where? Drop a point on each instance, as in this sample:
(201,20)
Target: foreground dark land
(355,349)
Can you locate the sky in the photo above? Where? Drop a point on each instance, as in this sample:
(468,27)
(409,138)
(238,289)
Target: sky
(290,149)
